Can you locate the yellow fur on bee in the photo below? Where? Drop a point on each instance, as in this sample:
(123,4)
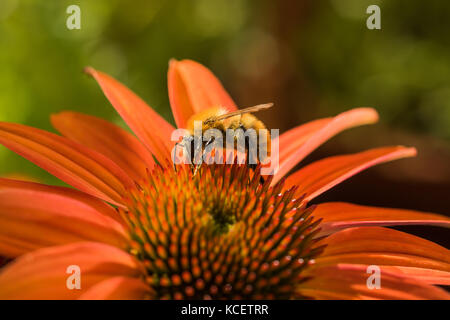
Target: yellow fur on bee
(205,115)
(244,120)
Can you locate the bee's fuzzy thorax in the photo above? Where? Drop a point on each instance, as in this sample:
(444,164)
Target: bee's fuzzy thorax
(219,118)
(204,116)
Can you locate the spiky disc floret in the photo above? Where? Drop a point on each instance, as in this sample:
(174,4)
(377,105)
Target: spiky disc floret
(219,234)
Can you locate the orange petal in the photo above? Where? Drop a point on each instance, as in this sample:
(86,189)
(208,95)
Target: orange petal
(348,281)
(430,276)
(297,143)
(340,215)
(117,288)
(149,126)
(194,88)
(108,139)
(43,274)
(71,162)
(20,176)
(291,140)
(423,259)
(33,216)
(322,175)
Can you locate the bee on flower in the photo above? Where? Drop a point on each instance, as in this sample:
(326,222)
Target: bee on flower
(138,228)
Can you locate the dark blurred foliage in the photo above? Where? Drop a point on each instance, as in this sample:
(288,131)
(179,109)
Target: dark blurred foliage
(312,58)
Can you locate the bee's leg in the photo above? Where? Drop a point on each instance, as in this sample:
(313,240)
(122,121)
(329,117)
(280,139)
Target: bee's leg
(174,155)
(196,166)
(261,180)
(252,166)
(203,154)
(247,151)
(206,145)
(192,154)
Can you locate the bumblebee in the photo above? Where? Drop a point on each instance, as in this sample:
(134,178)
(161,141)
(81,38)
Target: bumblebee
(241,123)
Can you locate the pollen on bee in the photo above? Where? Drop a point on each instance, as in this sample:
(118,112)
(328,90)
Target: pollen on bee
(211,135)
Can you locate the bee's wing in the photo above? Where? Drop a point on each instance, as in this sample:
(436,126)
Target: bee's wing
(245,110)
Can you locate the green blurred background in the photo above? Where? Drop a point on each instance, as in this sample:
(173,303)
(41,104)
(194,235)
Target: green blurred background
(312,58)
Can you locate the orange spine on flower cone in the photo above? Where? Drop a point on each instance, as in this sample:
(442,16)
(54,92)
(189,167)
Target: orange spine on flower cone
(198,242)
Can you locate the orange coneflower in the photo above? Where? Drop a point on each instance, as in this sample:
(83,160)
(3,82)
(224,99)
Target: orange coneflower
(139,230)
